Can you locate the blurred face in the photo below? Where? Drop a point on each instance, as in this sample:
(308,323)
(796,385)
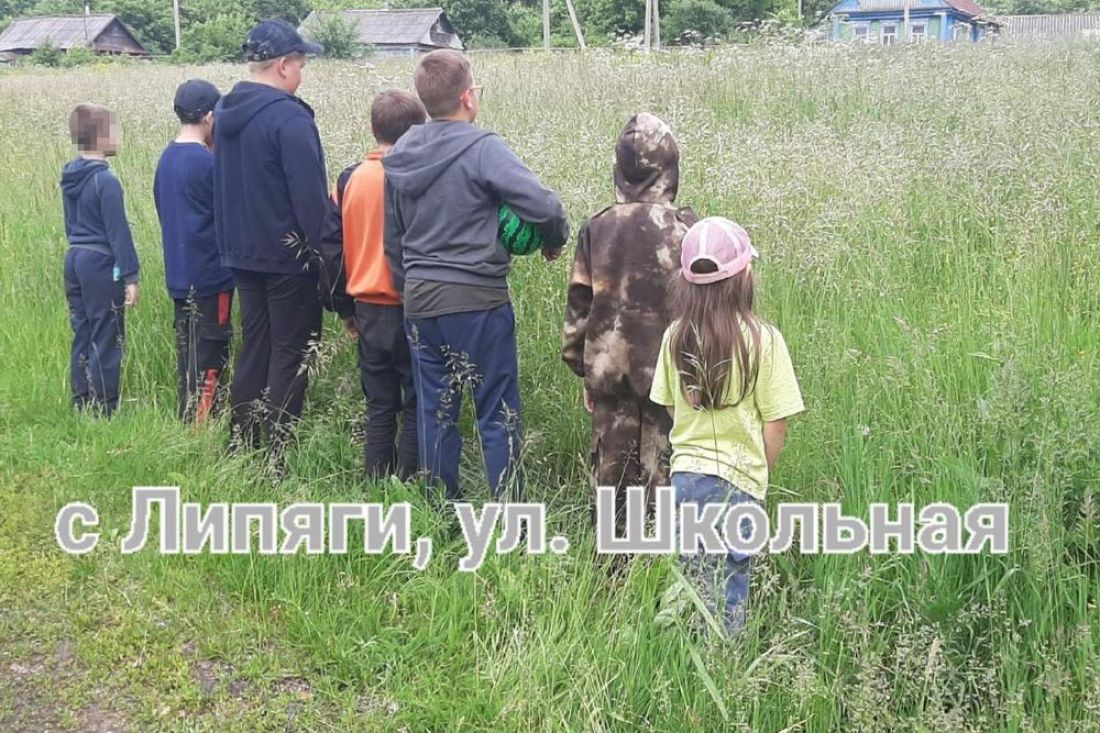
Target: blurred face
(109,145)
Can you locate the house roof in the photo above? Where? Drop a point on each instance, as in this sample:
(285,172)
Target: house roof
(409,27)
(967,8)
(63,31)
(1060,25)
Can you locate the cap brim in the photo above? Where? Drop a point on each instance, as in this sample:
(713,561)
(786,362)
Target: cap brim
(311,49)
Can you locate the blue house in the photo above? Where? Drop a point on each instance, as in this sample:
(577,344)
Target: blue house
(913,21)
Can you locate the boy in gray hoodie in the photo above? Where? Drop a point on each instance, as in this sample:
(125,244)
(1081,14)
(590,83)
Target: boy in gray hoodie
(445,181)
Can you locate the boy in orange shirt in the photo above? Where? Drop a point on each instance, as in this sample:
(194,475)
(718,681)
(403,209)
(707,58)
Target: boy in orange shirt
(385,369)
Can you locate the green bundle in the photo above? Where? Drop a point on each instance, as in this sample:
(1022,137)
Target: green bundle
(516,235)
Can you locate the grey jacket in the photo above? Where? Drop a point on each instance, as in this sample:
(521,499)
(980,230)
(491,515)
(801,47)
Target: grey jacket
(445,182)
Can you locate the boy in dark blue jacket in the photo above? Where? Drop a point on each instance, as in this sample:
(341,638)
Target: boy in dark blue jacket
(201,289)
(271,209)
(445,182)
(101,265)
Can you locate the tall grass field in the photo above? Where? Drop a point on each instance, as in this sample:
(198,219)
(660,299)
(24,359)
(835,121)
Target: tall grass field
(929,227)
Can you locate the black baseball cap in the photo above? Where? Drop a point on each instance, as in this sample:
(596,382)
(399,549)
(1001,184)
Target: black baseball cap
(194,98)
(270,39)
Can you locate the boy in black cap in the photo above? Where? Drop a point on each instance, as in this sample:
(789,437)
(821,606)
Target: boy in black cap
(271,207)
(201,289)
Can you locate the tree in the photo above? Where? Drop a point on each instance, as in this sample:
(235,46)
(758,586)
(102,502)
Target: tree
(292,11)
(697,21)
(47,54)
(151,21)
(337,34)
(217,39)
(748,10)
(479,23)
(607,18)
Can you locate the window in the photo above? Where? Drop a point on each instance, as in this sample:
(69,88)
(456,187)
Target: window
(862,33)
(916,33)
(889,34)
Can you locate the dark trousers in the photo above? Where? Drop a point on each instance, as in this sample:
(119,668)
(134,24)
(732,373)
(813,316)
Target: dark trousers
(630,446)
(97,315)
(280,317)
(203,330)
(385,371)
(475,351)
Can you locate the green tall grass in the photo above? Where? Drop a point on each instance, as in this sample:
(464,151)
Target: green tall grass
(927,220)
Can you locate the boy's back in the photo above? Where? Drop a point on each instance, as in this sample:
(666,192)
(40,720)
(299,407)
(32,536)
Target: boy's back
(626,256)
(445,183)
(385,364)
(361,197)
(101,264)
(447,180)
(95,216)
(183,191)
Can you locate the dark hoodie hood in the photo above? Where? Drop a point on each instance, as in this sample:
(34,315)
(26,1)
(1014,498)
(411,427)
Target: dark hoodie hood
(78,172)
(647,161)
(426,151)
(245,101)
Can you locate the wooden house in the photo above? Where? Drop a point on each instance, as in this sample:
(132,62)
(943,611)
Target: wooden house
(909,21)
(396,32)
(103,33)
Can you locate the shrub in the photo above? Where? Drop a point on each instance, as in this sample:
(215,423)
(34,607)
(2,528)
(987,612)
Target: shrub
(78,56)
(217,39)
(697,21)
(47,55)
(337,34)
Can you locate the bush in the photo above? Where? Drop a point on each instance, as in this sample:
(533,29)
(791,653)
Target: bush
(337,34)
(525,24)
(217,39)
(78,56)
(697,22)
(47,55)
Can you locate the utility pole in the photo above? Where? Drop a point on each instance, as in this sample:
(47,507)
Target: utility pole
(657,24)
(647,35)
(576,24)
(176,20)
(546,25)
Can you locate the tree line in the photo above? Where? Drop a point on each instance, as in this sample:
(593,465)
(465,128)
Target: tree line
(212,30)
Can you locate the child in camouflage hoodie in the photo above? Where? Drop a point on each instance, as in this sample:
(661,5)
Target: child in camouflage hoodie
(617,307)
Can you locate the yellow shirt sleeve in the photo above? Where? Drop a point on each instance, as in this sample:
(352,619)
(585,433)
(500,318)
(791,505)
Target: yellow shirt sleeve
(662,390)
(777,394)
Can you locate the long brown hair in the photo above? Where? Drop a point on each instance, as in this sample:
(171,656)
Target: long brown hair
(708,340)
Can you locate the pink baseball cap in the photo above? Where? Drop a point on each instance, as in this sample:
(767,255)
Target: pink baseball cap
(717,240)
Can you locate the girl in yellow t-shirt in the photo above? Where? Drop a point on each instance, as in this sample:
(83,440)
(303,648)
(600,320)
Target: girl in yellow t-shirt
(726,377)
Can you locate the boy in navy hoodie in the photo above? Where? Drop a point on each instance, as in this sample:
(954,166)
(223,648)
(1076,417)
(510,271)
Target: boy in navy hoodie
(101,265)
(271,210)
(445,182)
(201,289)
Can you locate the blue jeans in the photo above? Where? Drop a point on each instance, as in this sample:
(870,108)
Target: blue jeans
(475,351)
(717,578)
(97,316)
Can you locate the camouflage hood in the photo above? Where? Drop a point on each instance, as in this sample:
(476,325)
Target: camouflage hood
(647,161)
(617,305)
